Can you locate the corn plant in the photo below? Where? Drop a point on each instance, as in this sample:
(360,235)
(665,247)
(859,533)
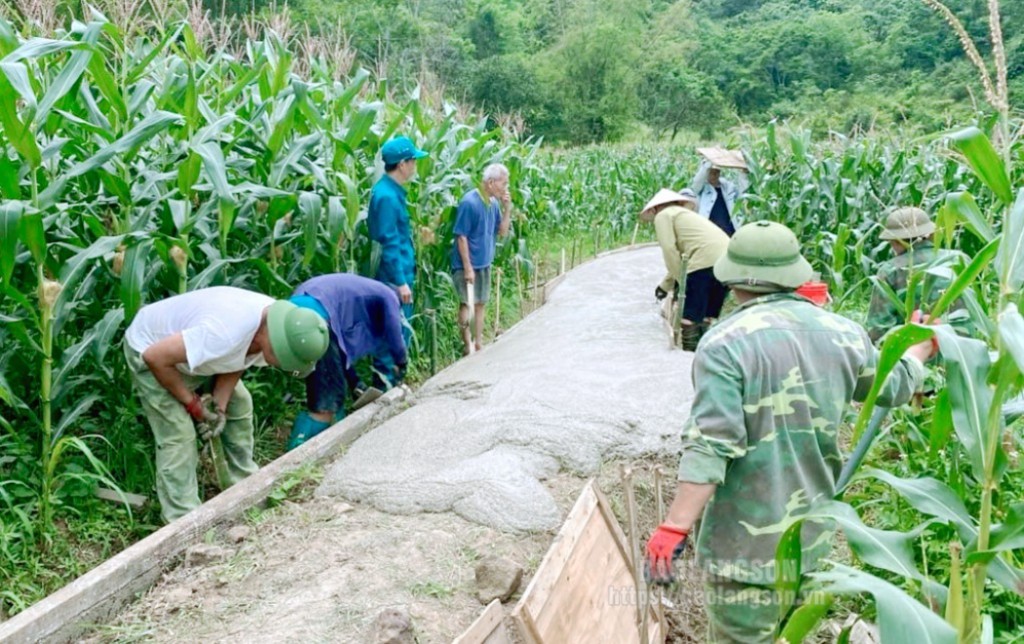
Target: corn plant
(979,380)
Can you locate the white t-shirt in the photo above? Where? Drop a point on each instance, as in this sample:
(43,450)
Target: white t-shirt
(217,324)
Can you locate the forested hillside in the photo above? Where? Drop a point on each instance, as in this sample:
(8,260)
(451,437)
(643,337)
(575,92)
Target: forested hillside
(592,70)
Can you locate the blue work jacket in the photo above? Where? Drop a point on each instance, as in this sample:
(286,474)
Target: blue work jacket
(388,220)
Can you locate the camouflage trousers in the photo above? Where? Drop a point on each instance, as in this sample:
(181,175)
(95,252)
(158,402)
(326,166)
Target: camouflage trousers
(739,612)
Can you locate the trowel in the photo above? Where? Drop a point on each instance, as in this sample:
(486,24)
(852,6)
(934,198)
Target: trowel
(368,396)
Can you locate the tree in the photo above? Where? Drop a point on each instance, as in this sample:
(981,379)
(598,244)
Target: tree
(592,75)
(674,96)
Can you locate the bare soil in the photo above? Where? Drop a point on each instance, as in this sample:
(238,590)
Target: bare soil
(321,570)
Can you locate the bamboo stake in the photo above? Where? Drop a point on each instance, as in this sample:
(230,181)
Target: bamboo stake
(634,552)
(536,283)
(519,285)
(562,269)
(433,340)
(659,510)
(636,228)
(471,305)
(497,301)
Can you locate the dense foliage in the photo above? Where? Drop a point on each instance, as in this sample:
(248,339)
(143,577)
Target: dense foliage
(596,70)
(148,157)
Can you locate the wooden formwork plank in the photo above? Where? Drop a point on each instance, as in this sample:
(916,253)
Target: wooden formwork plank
(99,593)
(584,585)
(489,628)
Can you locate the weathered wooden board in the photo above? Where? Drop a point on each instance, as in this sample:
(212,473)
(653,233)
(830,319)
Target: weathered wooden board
(98,594)
(489,628)
(584,588)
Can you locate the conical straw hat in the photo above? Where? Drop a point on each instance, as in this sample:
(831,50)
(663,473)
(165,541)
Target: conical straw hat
(664,196)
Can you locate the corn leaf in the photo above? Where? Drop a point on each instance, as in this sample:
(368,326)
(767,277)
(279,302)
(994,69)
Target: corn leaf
(967,366)
(126,145)
(1011,332)
(980,262)
(964,207)
(17,76)
(104,332)
(942,424)
(929,496)
(985,161)
(801,624)
(133,275)
(33,235)
(1009,535)
(68,418)
(359,124)
(69,75)
(310,206)
(1011,258)
(10,222)
(886,549)
(901,618)
(13,128)
(894,345)
(214,164)
(788,556)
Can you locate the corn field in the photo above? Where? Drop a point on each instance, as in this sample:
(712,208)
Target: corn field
(139,162)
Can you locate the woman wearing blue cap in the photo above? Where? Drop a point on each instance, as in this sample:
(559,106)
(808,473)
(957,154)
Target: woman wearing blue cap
(388,220)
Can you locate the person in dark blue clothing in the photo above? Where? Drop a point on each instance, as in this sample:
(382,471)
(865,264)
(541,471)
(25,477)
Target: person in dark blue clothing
(364,318)
(388,221)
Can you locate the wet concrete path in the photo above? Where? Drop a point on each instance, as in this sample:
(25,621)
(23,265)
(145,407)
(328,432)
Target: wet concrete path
(587,378)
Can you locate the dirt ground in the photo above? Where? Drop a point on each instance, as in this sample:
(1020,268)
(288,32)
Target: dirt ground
(321,570)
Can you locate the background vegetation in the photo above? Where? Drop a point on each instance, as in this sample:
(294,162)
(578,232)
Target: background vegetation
(149,149)
(601,70)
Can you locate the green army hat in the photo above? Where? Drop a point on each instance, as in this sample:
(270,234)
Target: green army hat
(762,257)
(907,223)
(298,336)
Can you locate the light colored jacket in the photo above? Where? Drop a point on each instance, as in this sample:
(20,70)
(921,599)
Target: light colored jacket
(706,192)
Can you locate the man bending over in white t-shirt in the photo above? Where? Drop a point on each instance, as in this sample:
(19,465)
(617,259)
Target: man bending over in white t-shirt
(174,345)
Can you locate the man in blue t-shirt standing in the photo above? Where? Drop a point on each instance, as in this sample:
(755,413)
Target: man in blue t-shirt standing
(388,220)
(478,218)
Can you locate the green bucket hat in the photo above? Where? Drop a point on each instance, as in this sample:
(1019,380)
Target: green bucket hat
(763,257)
(907,223)
(298,336)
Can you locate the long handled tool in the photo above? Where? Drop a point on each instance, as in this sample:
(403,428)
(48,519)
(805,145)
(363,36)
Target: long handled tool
(677,321)
(861,449)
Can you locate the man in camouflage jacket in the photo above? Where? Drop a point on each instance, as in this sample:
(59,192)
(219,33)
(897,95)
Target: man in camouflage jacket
(773,382)
(909,231)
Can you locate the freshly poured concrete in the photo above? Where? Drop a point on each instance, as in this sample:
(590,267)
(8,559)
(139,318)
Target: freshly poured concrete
(587,378)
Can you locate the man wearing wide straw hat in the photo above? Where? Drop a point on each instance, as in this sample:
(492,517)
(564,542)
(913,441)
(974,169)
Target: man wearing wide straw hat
(208,338)
(685,235)
(909,232)
(773,380)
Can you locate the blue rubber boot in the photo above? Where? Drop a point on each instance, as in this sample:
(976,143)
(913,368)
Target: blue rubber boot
(304,428)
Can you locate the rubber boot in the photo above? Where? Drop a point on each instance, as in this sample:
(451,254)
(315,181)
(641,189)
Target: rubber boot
(691,334)
(304,428)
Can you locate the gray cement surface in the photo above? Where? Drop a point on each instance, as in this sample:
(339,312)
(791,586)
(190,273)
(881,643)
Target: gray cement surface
(587,378)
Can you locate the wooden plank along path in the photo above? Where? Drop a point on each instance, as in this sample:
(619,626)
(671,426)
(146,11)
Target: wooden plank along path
(98,594)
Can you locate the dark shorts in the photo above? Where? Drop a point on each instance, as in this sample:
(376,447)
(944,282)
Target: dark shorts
(326,387)
(704,295)
(481,285)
